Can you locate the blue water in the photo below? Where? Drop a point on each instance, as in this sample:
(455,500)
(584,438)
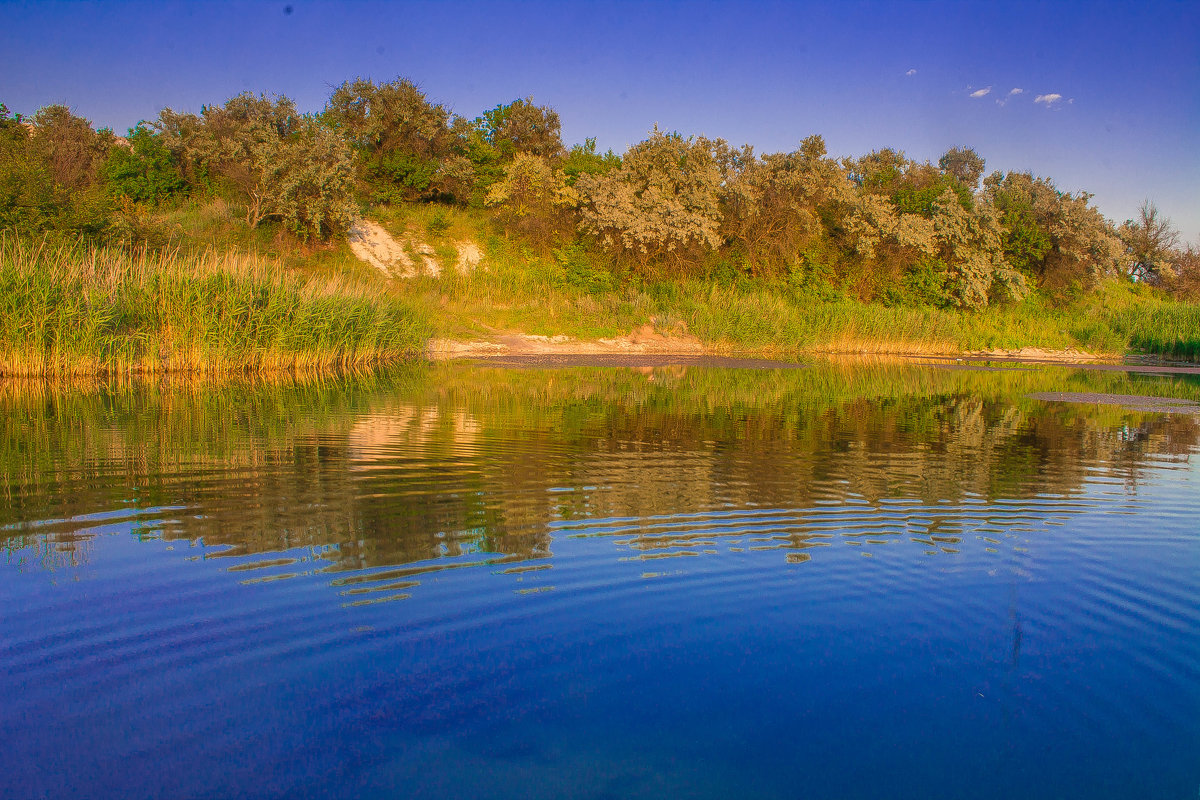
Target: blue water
(545,584)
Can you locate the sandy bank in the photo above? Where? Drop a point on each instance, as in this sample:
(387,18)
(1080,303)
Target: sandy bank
(644,340)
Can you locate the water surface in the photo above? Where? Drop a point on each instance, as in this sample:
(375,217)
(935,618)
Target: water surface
(841,581)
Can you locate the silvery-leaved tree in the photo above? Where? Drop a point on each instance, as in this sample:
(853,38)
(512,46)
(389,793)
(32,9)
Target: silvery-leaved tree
(1150,242)
(279,164)
(661,206)
(969,244)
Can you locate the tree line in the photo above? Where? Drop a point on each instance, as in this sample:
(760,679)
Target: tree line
(881,227)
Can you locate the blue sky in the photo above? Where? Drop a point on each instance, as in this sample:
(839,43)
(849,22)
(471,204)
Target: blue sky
(1119,83)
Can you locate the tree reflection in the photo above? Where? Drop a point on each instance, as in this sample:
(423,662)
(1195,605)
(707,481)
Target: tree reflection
(437,467)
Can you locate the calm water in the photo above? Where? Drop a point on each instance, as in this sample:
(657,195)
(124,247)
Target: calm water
(842,581)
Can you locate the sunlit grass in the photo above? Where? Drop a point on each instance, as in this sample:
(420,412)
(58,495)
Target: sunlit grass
(72,309)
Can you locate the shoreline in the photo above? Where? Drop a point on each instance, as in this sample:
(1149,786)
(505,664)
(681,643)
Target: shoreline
(640,351)
(641,348)
(645,341)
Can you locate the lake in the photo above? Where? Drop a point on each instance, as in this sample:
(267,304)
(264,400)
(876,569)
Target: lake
(710,580)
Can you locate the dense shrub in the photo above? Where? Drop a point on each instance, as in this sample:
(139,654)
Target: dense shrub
(145,170)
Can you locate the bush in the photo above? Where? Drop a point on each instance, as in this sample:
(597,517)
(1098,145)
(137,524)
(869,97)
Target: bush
(662,204)
(145,171)
(438,224)
(581,272)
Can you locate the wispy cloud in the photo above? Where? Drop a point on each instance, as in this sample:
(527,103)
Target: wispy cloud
(1048,100)
(981,92)
(911,72)
(1003,101)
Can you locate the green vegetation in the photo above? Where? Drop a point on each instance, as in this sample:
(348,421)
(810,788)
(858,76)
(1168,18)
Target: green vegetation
(576,291)
(783,252)
(85,309)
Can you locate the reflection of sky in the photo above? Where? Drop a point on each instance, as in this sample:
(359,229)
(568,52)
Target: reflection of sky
(1124,126)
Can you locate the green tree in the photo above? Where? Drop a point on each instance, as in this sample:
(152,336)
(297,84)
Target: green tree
(406,147)
(878,172)
(1183,278)
(180,133)
(28,199)
(969,244)
(33,201)
(69,147)
(241,144)
(1057,238)
(1024,241)
(880,243)
(912,187)
(481,159)
(773,204)
(279,164)
(145,170)
(963,165)
(582,159)
(522,127)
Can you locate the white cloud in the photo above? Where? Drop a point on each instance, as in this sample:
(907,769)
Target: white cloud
(1047,99)
(1003,101)
(911,72)
(981,92)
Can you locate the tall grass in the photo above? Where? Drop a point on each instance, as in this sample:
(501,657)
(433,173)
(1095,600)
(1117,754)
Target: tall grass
(1146,321)
(780,319)
(74,309)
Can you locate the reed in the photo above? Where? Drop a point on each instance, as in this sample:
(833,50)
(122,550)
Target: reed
(71,309)
(1146,321)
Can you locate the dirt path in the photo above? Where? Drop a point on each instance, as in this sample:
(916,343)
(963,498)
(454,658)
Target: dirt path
(646,340)
(1034,354)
